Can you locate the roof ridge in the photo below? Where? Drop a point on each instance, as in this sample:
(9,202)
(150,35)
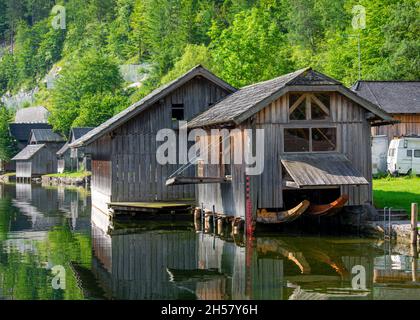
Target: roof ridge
(373,81)
(298,72)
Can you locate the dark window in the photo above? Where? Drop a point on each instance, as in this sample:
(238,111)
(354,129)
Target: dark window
(324,139)
(320,107)
(409,153)
(298,112)
(416,153)
(177,112)
(296,140)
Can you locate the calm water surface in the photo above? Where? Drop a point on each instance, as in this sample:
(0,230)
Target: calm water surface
(42,228)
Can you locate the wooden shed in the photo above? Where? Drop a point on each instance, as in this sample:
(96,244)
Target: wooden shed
(26,120)
(123,149)
(73,159)
(34,161)
(316,145)
(401,99)
(39,156)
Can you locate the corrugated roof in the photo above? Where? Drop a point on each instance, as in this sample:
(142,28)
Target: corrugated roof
(321,169)
(148,101)
(32,115)
(239,105)
(46,135)
(22,131)
(29,152)
(391,96)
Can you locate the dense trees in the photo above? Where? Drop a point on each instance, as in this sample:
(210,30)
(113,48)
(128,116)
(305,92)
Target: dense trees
(243,41)
(81,87)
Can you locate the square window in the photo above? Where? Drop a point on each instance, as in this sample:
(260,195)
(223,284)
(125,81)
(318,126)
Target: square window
(296,140)
(324,139)
(177,112)
(409,153)
(416,153)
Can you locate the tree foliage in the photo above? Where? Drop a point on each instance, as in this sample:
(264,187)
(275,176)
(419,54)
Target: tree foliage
(7,144)
(93,75)
(243,41)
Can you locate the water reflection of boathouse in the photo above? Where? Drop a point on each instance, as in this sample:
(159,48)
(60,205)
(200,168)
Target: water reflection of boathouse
(179,263)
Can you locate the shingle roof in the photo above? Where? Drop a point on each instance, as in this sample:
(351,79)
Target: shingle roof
(236,107)
(63,149)
(148,101)
(391,96)
(77,133)
(46,135)
(29,152)
(22,131)
(32,115)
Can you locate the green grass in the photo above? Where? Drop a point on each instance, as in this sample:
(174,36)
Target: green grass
(396,192)
(78,174)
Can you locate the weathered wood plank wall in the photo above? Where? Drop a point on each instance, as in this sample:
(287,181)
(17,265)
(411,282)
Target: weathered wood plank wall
(353,140)
(410,124)
(136,175)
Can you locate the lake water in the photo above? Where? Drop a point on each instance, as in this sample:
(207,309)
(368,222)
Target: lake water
(51,249)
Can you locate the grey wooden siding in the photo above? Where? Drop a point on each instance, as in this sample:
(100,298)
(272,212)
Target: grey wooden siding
(43,162)
(353,140)
(136,175)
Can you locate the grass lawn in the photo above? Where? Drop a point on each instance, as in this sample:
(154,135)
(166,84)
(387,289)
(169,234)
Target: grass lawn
(397,192)
(79,174)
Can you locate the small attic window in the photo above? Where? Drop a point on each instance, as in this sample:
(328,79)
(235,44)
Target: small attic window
(178,112)
(309,106)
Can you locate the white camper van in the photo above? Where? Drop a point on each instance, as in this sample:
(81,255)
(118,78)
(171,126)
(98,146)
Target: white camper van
(404,155)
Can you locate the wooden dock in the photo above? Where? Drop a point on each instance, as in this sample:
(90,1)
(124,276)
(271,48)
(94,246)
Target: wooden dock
(152,210)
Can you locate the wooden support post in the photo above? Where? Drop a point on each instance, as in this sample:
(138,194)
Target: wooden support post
(220,226)
(414,231)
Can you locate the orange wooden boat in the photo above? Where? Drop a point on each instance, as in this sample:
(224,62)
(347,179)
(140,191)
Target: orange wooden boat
(266,217)
(328,209)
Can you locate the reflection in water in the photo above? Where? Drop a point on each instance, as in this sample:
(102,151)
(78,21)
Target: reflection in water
(44,227)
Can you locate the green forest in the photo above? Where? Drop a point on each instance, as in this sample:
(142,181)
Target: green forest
(242,41)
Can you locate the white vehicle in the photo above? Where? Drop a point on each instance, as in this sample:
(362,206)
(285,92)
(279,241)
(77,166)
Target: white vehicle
(404,155)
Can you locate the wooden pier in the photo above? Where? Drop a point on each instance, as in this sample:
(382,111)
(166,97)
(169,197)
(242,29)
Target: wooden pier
(152,210)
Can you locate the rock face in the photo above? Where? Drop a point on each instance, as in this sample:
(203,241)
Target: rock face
(67,181)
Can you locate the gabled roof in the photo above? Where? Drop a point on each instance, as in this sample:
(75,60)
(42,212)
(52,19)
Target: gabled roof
(391,96)
(75,133)
(148,101)
(63,149)
(22,131)
(247,101)
(29,151)
(32,115)
(45,135)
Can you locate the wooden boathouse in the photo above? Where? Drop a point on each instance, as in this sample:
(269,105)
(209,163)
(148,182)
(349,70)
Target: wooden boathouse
(316,146)
(401,99)
(123,149)
(39,156)
(34,161)
(73,159)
